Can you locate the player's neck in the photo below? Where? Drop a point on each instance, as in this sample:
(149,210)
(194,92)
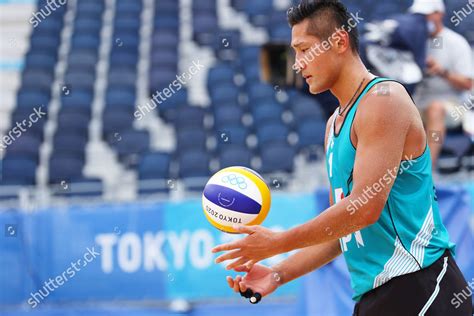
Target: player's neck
(352,74)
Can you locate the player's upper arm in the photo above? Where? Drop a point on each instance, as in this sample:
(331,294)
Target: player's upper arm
(381,126)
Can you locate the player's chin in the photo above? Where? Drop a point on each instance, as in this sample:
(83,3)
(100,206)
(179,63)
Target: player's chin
(314,88)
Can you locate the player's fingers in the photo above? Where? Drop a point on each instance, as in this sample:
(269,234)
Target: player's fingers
(241,268)
(229,246)
(230,281)
(237,263)
(249,264)
(236,283)
(242,286)
(227,256)
(244,229)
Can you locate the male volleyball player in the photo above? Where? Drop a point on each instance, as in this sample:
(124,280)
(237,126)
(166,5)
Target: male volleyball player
(384,213)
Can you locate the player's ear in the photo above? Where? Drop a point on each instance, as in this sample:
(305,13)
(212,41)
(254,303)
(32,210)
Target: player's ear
(340,40)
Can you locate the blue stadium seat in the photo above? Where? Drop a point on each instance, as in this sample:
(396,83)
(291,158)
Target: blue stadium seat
(271,133)
(115,122)
(79,98)
(235,156)
(160,79)
(204,6)
(82,13)
(82,59)
(220,73)
(44,43)
(249,53)
(31,98)
(126,39)
(190,116)
(227,115)
(73,123)
(281,33)
(154,165)
(123,77)
(191,138)
(90,6)
(26,146)
(40,60)
(129,23)
(251,73)
(194,163)
(34,129)
(37,79)
(88,41)
(125,58)
(18,171)
(169,108)
(80,78)
(205,26)
(65,168)
(70,144)
(132,144)
(311,133)
(454,148)
(120,97)
(305,109)
(277,158)
(165,58)
(224,93)
(164,40)
(167,8)
(129,6)
(267,112)
(261,92)
(259,11)
(166,22)
(231,135)
(86,25)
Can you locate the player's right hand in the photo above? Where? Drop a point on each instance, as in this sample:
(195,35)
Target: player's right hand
(260,279)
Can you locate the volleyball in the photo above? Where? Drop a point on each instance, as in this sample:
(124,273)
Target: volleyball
(236,196)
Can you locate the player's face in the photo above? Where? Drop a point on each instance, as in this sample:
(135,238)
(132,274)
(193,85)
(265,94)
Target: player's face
(315,59)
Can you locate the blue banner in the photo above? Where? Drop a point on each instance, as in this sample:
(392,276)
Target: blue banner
(127,251)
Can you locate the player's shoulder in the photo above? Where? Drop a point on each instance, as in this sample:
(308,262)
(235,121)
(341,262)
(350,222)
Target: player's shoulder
(387,101)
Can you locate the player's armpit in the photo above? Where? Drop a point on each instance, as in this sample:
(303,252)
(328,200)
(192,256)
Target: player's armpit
(381,125)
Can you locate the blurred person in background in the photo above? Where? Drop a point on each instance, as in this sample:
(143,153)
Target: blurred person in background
(448,75)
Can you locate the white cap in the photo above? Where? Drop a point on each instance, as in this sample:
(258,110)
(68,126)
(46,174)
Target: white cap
(427,6)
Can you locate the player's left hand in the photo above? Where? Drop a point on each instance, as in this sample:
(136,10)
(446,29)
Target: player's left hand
(261,243)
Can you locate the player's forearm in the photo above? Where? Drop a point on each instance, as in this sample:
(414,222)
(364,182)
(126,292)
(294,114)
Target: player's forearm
(336,222)
(307,260)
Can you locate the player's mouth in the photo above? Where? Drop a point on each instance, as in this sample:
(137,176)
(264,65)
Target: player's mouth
(307,77)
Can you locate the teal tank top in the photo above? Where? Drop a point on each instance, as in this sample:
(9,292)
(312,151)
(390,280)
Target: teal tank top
(409,234)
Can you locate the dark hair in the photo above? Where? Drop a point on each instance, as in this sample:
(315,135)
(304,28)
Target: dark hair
(326,16)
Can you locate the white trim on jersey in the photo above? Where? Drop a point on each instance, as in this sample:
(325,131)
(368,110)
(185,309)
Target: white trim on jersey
(436,290)
(400,263)
(403,262)
(423,238)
